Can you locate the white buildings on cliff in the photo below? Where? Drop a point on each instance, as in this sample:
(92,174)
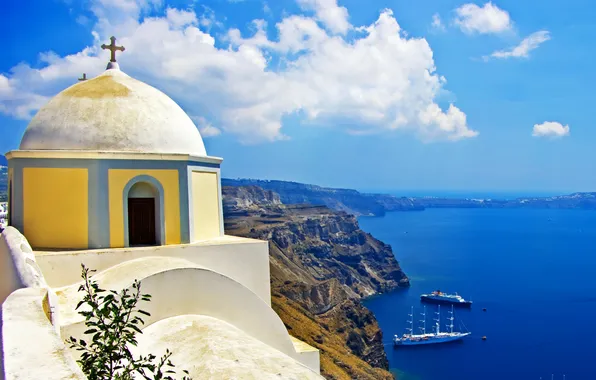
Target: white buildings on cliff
(139,198)
(3,215)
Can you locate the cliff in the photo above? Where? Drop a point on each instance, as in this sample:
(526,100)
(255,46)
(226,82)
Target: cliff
(393,203)
(583,201)
(242,201)
(347,200)
(322,264)
(356,203)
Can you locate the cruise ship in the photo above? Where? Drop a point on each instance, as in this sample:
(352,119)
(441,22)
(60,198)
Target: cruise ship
(440,297)
(410,339)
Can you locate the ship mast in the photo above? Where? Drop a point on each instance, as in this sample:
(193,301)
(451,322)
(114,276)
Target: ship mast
(423,328)
(451,319)
(438,320)
(411,329)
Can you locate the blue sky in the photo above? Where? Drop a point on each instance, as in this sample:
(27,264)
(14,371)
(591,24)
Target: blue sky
(349,93)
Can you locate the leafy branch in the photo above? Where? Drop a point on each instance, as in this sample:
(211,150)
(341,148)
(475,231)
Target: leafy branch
(113,321)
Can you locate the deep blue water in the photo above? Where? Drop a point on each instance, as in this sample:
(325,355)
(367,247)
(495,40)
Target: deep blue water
(533,270)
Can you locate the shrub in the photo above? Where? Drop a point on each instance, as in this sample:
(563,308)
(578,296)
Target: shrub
(113,321)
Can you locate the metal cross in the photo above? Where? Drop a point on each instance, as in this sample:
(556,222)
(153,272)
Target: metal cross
(112,48)
(84,77)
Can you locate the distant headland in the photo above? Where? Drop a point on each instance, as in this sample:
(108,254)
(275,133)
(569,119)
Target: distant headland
(365,204)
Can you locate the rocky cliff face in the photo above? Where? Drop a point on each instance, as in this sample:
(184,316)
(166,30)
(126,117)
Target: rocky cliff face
(356,203)
(582,201)
(393,203)
(347,200)
(322,264)
(241,201)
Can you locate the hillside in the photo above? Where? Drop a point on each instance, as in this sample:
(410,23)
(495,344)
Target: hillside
(584,201)
(356,203)
(347,200)
(322,264)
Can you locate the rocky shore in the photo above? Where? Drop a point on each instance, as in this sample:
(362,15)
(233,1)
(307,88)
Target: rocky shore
(322,265)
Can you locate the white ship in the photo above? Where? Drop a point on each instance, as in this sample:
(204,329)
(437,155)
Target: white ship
(440,297)
(411,339)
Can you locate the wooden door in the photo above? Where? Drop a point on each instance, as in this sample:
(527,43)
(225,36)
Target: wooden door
(141,221)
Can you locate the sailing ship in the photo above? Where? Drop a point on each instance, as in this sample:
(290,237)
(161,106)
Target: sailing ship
(411,339)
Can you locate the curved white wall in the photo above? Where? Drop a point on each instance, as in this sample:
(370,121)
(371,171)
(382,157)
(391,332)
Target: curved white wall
(30,347)
(243,260)
(18,267)
(179,287)
(203,348)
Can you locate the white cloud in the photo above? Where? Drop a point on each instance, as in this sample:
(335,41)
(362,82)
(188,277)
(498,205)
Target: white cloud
(266,8)
(550,129)
(82,20)
(205,127)
(208,20)
(17,102)
(489,18)
(329,13)
(437,23)
(378,81)
(180,19)
(522,50)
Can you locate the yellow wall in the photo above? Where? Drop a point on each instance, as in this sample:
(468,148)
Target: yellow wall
(118,178)
(205,205)
(55,207)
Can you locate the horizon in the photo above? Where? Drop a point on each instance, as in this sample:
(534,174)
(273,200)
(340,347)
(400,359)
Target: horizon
(418,193)
(428,95)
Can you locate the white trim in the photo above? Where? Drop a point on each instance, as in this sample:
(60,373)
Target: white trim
(90,154)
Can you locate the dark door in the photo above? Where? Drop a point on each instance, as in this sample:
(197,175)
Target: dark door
(141,221)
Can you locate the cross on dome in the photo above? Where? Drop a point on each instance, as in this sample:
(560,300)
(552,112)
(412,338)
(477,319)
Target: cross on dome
(112,48)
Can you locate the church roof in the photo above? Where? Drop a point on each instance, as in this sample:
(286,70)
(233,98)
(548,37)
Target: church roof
(113,112)
(213,349)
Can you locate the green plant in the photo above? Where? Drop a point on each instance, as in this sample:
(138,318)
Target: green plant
(113,321)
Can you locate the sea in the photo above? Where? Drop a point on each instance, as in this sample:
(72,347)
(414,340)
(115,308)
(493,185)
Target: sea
(534,271)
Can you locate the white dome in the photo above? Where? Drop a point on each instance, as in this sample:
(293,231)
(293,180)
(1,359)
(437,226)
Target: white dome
(113,112)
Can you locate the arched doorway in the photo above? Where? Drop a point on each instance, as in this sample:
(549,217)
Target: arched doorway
(144,227)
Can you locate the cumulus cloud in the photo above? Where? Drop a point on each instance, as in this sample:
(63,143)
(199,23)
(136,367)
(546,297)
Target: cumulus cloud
(378,80)
(489,18)
(329,13)
(533,41)
(205,127)
(18,102)
(179,18)
(550,129)
(437,23)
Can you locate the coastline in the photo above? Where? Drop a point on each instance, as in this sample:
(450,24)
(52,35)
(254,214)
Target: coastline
(377,204)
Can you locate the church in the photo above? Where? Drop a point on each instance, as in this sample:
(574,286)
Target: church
(113,174)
